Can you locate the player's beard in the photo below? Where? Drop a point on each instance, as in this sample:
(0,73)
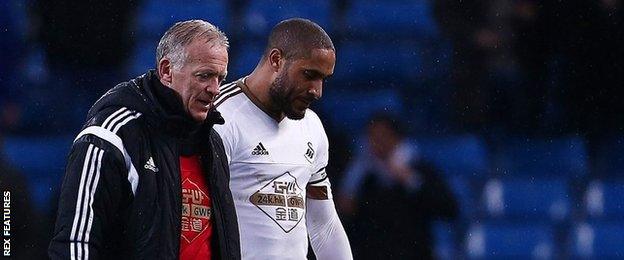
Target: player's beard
(282,96)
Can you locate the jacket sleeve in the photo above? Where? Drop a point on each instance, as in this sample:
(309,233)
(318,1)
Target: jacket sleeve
(91,196)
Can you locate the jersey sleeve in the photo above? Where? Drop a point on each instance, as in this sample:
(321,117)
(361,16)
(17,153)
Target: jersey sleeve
(325,231)
(319,186)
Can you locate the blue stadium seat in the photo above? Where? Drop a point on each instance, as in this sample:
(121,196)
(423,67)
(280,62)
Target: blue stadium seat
(600,240)
(350,110)
(156,16)
(42,160)
(14,19)
(565,156)
(143,57)
(445,246)
(366,65)
(605,200)
(262,15)
(14,22)
(244,60)
(464,192)
(464,155)
(390,20)
(610,158)
(500,240)
(541,200)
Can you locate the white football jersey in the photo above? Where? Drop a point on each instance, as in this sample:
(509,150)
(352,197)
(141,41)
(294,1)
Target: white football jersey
(271,164)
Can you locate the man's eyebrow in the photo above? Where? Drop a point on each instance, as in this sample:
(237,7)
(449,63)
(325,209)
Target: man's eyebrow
(210,71)
(317,74)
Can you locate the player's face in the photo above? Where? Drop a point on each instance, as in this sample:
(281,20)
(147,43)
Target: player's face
(300,82)
(198,79)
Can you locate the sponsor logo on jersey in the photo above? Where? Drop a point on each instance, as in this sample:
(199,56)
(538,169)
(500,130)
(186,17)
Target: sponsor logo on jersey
(281,200)
(150,165)
(260,150)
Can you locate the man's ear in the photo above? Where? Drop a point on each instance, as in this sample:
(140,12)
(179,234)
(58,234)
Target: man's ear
(275,57)
(165,68)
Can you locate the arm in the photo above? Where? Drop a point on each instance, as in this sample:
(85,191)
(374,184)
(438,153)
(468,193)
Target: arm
(94,185)
(327,235)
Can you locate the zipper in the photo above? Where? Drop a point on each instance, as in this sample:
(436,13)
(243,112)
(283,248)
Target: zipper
(178,199)
(217,199)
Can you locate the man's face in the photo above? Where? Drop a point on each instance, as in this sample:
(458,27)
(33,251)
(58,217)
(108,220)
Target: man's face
(198,78)
(382,139)
(300,82)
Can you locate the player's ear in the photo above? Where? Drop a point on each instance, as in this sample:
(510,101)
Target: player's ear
(165,68)
(275,57)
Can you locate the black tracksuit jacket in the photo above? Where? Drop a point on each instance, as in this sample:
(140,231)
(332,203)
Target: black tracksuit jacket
(121,196)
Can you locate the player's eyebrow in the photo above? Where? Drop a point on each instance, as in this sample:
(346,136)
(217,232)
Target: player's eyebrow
(316,74)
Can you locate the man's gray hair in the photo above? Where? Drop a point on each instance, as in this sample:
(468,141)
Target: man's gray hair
(173,43)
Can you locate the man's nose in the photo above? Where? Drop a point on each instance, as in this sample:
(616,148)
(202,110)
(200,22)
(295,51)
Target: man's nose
(213,86)
(317,89)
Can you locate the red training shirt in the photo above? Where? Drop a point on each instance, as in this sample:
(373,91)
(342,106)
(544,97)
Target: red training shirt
(196,211)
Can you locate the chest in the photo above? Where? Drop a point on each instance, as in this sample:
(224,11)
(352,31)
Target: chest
(277,157)
(289,143)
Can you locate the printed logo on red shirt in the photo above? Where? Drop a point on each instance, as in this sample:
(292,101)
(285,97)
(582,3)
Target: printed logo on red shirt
(196,211)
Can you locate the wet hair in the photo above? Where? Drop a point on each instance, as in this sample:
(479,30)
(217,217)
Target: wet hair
(297,37)
(173,43)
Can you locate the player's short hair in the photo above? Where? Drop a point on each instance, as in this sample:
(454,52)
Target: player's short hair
(296,37)
(173,43)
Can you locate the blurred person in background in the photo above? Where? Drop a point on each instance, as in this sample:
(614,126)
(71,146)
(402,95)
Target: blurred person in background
(591,41)
(494,46)
(465,23)
(534,28)
(391,197)
(26,240)
(277,148)
(86,45)
(12,49)
(146,177)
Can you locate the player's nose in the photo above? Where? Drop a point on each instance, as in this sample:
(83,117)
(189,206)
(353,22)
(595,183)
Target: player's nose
(316,89)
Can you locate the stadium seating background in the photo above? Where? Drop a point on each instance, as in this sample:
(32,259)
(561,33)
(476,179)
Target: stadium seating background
(521,196)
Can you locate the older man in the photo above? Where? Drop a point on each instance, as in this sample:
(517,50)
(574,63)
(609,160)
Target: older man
(147,176)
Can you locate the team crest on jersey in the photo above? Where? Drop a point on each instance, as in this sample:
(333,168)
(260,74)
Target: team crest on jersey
(281,200)
(309,154)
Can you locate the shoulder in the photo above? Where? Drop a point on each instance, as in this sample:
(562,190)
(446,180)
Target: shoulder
(215,137)
(228,94)
(116,125)
(312,116)
(233,105)
(314,121)
(114,118)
